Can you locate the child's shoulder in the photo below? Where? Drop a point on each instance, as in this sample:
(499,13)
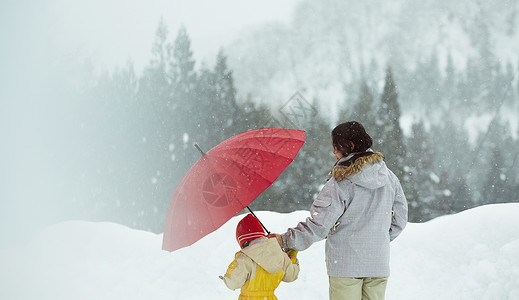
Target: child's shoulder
(270,246)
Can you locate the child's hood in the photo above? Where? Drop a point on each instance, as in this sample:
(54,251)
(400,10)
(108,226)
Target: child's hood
(266,254)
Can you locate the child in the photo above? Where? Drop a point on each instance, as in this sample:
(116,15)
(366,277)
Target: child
(261,264)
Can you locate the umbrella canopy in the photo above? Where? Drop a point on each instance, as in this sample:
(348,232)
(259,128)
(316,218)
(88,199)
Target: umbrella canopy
(225,180)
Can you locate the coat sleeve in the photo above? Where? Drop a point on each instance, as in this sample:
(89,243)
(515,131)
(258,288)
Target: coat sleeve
(324,213)
(399,220)
(290,268)
(238,272)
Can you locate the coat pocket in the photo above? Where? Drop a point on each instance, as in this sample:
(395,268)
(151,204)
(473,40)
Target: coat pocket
(322,201)
(320,206)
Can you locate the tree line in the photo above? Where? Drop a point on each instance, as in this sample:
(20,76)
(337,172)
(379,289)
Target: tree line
(141,128)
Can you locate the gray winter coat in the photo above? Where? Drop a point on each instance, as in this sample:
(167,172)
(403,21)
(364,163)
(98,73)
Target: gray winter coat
(359,211)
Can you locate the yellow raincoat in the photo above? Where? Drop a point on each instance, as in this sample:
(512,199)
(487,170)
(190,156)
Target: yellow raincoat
(258,270)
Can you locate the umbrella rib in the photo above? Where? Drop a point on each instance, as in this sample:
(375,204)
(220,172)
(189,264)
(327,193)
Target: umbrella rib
(231,146)
(256,173)
(255,136)
(268,181)
(261,150)
(268,184)
(193,239)
(251,171)
(210,217)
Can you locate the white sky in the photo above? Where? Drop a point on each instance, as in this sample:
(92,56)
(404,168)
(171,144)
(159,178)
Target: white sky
(110,32)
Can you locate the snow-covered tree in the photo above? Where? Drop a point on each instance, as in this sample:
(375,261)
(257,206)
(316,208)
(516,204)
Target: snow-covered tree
(420,182)
(364,110)
(389,138)
(184,106)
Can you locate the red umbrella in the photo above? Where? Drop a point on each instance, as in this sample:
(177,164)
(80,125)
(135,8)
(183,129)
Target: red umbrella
(225,180)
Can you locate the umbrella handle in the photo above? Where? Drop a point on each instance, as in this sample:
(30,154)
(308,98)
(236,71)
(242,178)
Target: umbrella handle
(268,232)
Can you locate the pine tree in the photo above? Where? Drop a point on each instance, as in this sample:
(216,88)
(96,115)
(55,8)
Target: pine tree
(154,85)
(154,98)
(497,186)
(125,146)
(184,113)
(252,116)
(217,107)
(224,108)
(346,108)
(205,93)
(306,175)
(389,137)
(449,82)
(421,182)
(182,70)
(152,119)
(429,91)
(452,158)
(364,109)
(513,174)
(116,146)
(452,99)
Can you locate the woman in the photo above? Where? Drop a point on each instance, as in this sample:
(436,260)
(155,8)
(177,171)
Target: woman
(359,211)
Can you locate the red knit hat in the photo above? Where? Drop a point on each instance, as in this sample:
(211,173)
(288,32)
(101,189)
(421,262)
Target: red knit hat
(249,229)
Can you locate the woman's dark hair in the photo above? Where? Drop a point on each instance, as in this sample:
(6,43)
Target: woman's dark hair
(348,132)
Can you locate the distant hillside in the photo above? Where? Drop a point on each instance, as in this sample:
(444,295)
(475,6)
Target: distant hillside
(330,44)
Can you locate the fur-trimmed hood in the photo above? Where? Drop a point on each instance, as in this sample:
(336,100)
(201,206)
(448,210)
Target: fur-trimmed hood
(367,170)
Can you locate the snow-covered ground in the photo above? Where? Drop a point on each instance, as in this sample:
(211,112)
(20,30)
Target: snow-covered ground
(470,255)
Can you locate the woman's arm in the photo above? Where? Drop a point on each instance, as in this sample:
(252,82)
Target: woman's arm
(325,211)
(399,220)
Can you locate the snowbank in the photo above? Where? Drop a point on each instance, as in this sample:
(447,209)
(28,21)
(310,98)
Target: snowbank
(470,255)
